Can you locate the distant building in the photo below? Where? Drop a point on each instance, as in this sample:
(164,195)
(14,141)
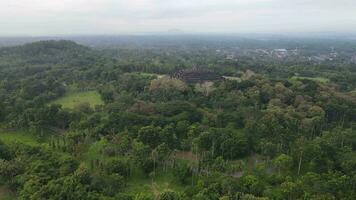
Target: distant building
(280,53)
(196,75)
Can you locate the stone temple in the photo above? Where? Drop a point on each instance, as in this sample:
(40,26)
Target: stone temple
(196,75)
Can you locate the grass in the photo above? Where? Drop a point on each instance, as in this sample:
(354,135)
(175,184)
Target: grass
(317,79)
(72,99)
(140,184)
(19,136)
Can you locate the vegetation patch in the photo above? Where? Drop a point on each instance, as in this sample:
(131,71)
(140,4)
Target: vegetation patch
(140,184)
(94,151)
(233,78)
(268,136)
(6,194)
(150,74)
(19,137)
(74,99)
(317,79)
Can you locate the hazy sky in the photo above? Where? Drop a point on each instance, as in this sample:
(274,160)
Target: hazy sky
(58,17)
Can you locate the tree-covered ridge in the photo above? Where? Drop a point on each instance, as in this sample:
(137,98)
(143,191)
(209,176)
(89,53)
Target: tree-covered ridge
(45,52)
(255,136)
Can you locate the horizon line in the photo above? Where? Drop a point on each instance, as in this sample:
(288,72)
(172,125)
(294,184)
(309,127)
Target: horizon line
(182,33)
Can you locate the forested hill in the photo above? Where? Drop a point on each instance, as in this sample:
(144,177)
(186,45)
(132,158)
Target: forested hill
(46,53)
(41,70)
(57,60)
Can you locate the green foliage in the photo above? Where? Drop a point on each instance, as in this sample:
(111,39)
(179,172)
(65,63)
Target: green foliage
(77,99)
(169,195)
(182,173)
(117,166)
(283,162)
(318,79)
(24,137)
(150,135)
(273,133)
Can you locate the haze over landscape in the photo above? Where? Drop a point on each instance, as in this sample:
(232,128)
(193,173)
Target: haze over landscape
(177,100)
(93,17)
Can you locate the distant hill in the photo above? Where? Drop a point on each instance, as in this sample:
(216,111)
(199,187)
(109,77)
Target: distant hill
(61,52)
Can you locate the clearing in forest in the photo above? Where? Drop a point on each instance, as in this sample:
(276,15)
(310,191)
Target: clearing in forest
(73,99)
(18,136)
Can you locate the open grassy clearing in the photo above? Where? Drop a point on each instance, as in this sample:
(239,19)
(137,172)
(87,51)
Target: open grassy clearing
(19,137)
(73,99)
(317,79)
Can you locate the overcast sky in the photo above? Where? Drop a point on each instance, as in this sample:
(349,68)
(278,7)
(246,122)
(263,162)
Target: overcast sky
(93,17)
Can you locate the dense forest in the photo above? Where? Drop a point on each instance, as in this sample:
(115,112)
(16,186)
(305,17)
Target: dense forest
(109,122)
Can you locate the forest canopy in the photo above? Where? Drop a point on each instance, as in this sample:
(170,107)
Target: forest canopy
(111,123)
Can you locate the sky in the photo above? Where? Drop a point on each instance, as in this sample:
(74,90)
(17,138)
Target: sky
(110,17)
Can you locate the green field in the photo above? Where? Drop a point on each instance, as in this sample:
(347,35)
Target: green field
(18,136)
(72,99)
(317,79)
